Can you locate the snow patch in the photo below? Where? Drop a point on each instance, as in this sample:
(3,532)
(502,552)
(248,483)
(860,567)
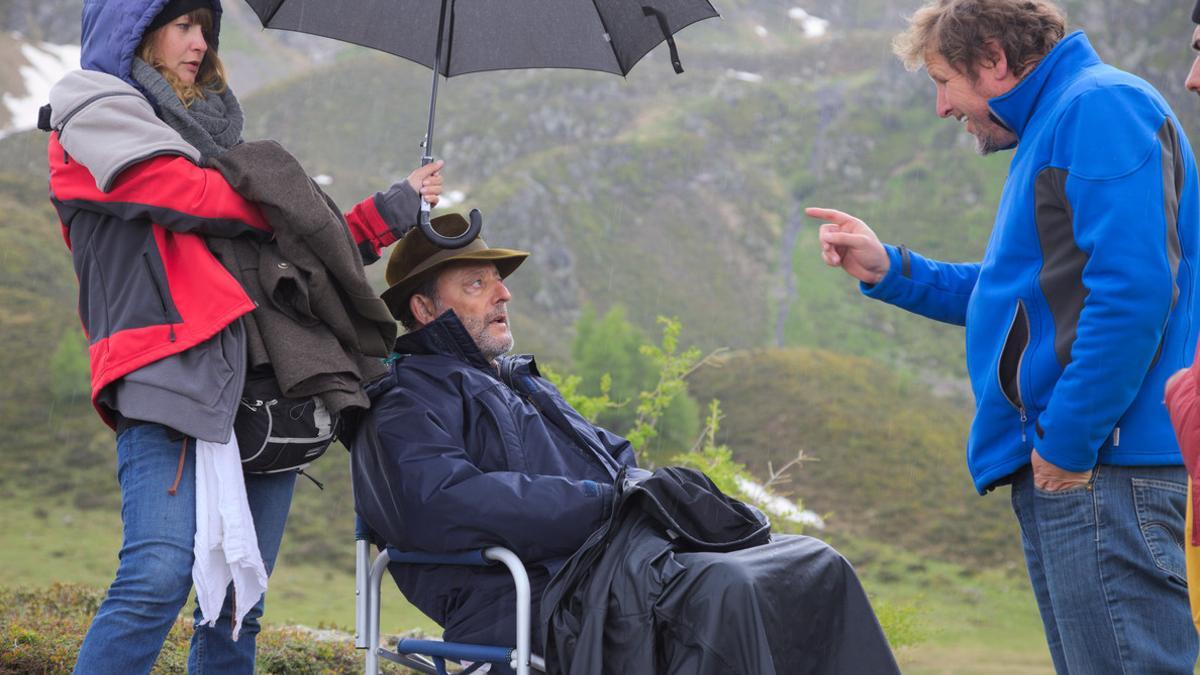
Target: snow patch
(323,179)
(813,26)
(45,64)
(744,76)
(451,198)
(781,507)
(761,31)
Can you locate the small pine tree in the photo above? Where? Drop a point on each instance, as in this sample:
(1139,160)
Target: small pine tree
(617,364)
(668,367)
(70,371)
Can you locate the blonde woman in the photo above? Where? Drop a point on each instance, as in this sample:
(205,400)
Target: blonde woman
(132,131)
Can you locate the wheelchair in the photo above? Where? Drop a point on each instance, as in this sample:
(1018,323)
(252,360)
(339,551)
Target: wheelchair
(432,656)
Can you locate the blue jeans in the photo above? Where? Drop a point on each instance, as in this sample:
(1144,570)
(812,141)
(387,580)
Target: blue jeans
(154,577)
(1107,565)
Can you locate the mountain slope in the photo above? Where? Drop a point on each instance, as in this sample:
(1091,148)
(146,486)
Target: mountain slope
(675,195)
(886,459)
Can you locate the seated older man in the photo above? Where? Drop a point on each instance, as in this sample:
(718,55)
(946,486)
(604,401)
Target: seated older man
(466,448)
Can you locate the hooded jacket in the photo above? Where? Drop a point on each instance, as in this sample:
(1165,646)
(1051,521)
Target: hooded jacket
(135,208)
(456,455)
(1082,305)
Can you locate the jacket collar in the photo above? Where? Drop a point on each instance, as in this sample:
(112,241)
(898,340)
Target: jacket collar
(444,336)
(1018,107)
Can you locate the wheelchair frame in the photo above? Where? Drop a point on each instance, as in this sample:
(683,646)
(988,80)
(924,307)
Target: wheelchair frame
(430,656)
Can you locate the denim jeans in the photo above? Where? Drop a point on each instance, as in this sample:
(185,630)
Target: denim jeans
(1107,565)
(154,576)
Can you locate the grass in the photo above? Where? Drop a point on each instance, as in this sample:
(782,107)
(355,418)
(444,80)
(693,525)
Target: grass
(957,619)
(41,629)
(943,617)
(42,544)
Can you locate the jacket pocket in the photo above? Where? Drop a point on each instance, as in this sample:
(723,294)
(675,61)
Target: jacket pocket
(159,293)
(1008,368)
(203,374)
(1161,506)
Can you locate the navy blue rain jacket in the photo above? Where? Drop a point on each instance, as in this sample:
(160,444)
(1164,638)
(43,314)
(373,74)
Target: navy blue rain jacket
(456,455)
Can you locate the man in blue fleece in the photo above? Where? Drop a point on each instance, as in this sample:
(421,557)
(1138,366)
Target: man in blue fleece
(1078,312)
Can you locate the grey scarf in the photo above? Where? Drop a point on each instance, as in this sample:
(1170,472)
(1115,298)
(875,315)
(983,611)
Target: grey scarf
(212,124)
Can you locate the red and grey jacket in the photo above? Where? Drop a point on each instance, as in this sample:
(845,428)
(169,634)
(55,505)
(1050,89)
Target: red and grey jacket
(148,285)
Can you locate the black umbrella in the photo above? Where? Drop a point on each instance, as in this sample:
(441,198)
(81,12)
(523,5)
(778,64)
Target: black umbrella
(454,37)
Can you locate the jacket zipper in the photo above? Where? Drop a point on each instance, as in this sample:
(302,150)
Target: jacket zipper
(531,400)
(162,301)
(1020,396)
(508,377)
(1019,404)
(586,451)
(62,126)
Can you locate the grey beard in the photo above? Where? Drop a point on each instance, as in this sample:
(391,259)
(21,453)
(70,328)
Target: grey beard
(987,143)
(491,347)
(986,146)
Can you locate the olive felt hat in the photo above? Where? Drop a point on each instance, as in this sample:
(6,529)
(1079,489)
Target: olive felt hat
(415,258)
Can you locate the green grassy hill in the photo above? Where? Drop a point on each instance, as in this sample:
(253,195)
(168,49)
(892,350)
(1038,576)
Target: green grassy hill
(886,459)
(670,195)
(675,195)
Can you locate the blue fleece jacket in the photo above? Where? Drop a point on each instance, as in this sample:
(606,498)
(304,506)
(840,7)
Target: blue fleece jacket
(1082,305)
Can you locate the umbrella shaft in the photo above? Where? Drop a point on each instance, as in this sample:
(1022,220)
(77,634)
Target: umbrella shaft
(428,154)
(437,66)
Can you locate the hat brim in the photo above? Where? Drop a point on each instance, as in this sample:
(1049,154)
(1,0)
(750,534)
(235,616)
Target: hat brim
(396,297)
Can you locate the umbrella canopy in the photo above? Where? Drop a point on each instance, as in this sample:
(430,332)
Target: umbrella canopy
(454,37)
(606,35)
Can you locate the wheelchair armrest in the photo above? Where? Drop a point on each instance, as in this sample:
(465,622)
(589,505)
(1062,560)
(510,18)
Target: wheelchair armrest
(489,556)
(475,557)
(515,567)
(361,531)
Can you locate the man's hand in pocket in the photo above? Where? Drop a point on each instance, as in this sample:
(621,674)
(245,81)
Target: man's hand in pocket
(1049,478)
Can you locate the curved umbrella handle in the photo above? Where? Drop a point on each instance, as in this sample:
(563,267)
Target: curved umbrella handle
(442,241)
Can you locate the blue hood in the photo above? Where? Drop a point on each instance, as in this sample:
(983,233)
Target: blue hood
(112,30)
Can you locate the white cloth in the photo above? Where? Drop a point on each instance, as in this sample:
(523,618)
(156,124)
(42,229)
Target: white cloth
(226,544)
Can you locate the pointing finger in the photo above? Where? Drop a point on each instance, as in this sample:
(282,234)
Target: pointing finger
(833,215)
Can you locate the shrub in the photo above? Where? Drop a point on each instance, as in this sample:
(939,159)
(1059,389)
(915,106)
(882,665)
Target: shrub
(70,373)
(671,367)
(41,631)
(615,363)
(901,623)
